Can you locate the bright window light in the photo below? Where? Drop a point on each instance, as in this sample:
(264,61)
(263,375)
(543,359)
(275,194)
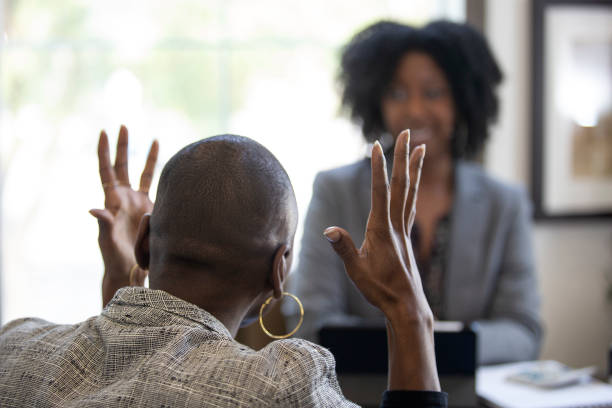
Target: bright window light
(173,71)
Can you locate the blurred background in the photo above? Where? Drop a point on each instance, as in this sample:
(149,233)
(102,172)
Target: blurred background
(179,71)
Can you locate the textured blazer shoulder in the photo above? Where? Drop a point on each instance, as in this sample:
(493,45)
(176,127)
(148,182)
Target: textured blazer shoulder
(150,349)
(489,276)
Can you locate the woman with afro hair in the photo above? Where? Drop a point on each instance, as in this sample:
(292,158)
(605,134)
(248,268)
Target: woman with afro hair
(471,234)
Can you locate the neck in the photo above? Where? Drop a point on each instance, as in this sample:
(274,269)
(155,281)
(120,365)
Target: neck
(437,173)
(227,304)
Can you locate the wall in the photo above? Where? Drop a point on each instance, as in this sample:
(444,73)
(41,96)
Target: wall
(574,259)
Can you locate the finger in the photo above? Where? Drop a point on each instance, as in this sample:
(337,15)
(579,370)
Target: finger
(399,181)
(147,174)
(121,158)
(107,174)
(105,223)
(380,186)
(342,243)
(416,166)
(103,216)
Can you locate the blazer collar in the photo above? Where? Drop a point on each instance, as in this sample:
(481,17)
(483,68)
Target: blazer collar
(468,212)
(467,187)
(469,222)
(166,308)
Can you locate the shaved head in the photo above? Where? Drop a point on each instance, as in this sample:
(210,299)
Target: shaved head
(224,205)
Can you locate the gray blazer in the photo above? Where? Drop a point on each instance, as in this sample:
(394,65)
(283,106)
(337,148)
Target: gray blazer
(489,276)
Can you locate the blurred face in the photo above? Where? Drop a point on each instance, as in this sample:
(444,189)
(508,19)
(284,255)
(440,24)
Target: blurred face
(419,98)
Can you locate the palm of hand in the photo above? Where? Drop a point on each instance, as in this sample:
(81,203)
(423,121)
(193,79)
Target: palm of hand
(123,209)
(126,207)
(384,268)
(387,274)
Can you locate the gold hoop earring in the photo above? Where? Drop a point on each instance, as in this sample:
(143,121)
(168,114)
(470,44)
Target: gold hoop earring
(132,278)
(292,332)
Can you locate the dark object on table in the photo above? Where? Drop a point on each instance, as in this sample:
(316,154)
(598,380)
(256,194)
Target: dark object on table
(361,362)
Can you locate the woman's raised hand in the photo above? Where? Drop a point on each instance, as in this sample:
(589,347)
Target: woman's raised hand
(384,268)
(385,271)
(123,208)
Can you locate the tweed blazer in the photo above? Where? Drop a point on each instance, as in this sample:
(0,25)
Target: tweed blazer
(489,275)
(151,349)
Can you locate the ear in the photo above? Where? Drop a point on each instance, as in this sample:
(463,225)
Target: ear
(141,248)
(280,270)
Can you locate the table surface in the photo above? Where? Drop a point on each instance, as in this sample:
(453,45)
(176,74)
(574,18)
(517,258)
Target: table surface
(493,387)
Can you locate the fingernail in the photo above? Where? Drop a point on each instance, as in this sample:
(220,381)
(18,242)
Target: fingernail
(332,234)
(424,148)
(377,144)
(408,138)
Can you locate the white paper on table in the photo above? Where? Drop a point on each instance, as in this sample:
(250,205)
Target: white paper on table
(494,388)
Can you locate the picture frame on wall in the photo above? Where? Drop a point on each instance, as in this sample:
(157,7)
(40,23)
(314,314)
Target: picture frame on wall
(571,174)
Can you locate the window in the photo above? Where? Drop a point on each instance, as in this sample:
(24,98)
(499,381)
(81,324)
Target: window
(176,72)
